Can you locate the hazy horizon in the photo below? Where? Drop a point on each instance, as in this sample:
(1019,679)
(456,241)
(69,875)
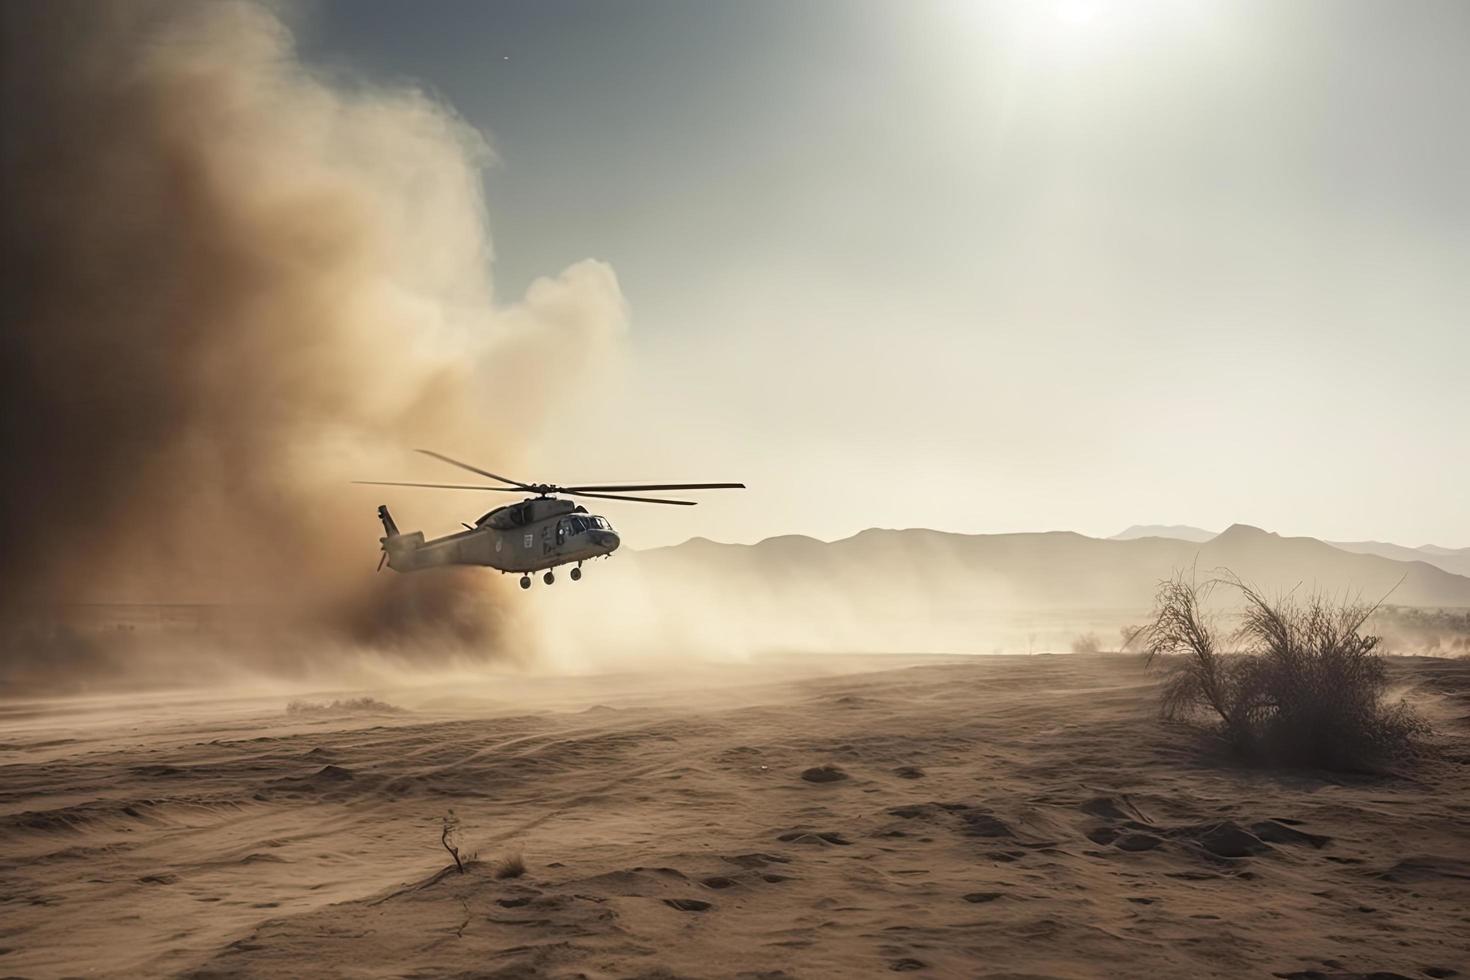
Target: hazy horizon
(1100,537)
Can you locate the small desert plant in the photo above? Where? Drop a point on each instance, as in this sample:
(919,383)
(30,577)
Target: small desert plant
(1301,686)
(1087,643)
(449,837)
(341,706)
(511,866)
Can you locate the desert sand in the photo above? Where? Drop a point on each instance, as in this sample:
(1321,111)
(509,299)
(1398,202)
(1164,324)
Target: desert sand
(817,817)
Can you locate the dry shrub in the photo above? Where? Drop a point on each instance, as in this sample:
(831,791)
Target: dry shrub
(511,866)
(1087,643)
(342,706)
(1301,685)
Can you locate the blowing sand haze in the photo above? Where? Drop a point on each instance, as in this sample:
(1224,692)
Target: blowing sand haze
(998,501)
(1013,816)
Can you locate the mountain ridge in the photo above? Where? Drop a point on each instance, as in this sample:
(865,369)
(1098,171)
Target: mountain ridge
(1182,532)
(1056,569)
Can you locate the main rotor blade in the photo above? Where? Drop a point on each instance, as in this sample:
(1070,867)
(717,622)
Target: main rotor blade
(472,469)
(437,486)
(618,487)
(617,496)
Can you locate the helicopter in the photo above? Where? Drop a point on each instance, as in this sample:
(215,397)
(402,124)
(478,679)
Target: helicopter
(537,534)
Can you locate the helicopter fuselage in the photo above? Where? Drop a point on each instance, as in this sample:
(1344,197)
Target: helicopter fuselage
(535,534)
(538,533)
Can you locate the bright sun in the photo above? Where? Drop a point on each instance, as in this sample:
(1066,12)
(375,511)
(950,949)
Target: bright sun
(1077,13)
(1087,30)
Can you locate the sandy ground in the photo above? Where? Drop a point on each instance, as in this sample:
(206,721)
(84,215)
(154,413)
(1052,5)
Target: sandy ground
(995,816)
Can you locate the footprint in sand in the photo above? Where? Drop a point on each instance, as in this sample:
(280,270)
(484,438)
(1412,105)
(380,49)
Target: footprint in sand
(688,904)
(1225,839)
(810,837)
(824,774)
(1280,832)
(759,859)
(978,898)
(981,824)
(1137,842)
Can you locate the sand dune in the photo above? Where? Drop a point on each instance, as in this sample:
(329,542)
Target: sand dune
(996,816)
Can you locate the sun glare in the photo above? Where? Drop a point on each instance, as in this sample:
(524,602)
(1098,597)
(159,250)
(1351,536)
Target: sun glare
(1078,33)
(1077,13)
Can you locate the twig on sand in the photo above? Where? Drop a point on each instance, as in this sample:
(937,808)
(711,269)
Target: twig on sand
(451,828)
(459,933)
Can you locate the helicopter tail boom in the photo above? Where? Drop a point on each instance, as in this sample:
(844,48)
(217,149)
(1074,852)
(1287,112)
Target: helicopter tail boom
(398,548)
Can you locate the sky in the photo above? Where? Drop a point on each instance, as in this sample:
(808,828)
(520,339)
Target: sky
(980,267)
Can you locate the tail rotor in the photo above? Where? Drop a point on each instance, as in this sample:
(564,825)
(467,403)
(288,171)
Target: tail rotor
(398,548)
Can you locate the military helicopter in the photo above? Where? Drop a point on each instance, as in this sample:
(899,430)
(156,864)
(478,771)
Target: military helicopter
(539,533)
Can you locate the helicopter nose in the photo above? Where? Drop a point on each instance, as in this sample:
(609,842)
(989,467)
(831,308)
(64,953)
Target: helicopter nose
(608,540)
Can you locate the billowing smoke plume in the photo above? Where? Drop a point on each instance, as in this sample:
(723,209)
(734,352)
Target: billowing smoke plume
(231,286)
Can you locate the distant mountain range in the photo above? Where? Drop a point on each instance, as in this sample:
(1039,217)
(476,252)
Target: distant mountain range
(890,570)
(1181,532)
(1450,559)
(1454,560)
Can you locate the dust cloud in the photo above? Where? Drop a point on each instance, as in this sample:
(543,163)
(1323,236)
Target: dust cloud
(234,284)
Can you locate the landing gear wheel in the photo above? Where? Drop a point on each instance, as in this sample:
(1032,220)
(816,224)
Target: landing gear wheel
(576,575)
(548,578)
(525,581)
